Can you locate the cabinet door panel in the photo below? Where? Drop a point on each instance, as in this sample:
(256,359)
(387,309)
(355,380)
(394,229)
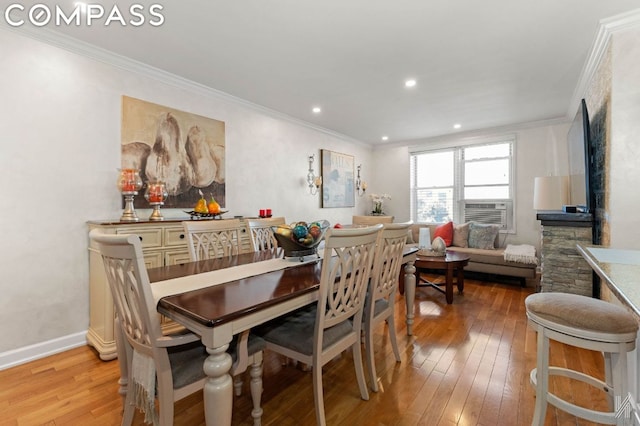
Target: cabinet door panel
(176,257)
(153,259)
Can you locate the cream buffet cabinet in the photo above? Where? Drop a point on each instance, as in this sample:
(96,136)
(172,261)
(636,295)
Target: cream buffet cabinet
(163,243)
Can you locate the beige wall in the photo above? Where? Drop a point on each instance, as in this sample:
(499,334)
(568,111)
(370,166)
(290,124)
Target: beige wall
(624,162)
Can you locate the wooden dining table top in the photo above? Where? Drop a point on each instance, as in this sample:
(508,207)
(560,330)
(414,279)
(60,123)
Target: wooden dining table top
(221,303)
(218,304)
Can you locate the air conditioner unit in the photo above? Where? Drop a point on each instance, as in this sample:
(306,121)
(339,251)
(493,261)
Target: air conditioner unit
(489,212)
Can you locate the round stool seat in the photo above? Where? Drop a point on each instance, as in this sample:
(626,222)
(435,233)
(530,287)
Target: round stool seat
(587,323)
(582,316)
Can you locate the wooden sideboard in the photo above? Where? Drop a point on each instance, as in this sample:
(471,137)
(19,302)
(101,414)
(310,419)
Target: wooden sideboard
(163,243)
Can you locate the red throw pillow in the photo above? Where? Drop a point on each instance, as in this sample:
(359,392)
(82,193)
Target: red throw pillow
(445,232)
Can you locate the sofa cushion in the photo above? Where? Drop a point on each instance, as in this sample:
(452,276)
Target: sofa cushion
(445,231)
(461,235)
(482,236)
(410,236)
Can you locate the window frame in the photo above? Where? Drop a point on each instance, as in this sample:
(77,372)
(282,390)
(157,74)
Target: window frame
(457,147)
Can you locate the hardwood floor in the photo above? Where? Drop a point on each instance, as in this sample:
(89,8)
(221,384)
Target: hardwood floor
(467,364)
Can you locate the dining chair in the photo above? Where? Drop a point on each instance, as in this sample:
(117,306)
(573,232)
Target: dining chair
(370,220)
(169,367)
(315,334)
(210,239)
(261,233)
(379,302)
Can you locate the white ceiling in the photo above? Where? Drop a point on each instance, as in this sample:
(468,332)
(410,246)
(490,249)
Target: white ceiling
(483,64)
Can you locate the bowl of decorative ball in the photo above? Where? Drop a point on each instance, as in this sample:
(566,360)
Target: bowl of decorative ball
(300,239)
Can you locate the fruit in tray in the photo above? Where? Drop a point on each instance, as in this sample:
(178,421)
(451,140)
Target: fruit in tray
(302,233)
(201,206)
(213,207)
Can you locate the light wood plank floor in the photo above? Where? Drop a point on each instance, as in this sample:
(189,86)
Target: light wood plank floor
(467,364)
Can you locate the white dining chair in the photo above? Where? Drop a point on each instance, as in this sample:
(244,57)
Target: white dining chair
(261,233)
(169,367)
(380,300)
(210,239)
(315,334)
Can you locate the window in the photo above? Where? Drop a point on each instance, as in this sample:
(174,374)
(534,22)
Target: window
(471,182)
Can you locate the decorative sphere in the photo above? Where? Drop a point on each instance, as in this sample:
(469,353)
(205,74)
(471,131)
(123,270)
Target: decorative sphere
(300,231)
(315,231)
(438,245)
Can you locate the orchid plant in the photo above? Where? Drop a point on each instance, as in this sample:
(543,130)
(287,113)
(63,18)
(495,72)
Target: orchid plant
(378,201)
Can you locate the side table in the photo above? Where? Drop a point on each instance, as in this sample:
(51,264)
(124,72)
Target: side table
(452,262)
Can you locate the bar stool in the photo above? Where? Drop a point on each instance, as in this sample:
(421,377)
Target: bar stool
(586,323)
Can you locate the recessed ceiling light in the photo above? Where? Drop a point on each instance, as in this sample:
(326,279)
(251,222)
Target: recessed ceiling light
(317,110)
(457,126)
(385,138)
(410,83)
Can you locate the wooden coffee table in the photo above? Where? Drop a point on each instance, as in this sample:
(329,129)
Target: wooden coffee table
(450,263)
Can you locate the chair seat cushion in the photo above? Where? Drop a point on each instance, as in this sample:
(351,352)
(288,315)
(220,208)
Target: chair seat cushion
(187,360)
(254,344)
(581,312)
(295,331)
(186,363)
(379,306)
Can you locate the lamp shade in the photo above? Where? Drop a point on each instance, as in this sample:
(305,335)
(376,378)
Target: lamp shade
(550,192)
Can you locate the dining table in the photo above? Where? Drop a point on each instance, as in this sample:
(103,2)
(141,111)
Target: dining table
(219,298)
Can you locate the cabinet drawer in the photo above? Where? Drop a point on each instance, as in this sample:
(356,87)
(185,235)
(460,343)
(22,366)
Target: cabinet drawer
(175,237)
(150,238)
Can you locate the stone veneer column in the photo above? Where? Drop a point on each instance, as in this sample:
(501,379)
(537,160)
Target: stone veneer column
(563,268)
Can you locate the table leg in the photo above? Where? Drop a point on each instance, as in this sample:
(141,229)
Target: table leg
(409,294)
(449,286)
(460,280)
(218,388)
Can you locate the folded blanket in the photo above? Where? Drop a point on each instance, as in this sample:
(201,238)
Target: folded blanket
(144,386)
(522,253)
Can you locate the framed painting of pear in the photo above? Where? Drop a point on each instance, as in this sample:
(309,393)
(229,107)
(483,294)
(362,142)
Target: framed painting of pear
(185,151)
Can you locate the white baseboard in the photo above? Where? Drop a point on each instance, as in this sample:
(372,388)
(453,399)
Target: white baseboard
(25,354)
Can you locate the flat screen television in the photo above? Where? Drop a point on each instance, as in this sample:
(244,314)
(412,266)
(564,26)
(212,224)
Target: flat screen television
(581,192)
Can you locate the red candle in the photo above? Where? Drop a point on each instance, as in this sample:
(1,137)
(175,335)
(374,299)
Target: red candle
(129,180)
(262,213)
(268,212)
(155,194)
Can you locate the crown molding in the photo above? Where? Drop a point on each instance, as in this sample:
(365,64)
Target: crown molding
(606,29)
(471,136)
(108,57)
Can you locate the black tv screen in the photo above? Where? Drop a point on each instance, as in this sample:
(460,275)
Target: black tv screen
(580,193)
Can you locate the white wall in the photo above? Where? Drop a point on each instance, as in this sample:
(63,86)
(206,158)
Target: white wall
(540,151)
(60,123)
(624,173)
(60,126)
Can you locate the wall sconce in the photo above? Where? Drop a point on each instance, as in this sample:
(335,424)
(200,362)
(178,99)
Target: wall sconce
(314,182)
(361,186)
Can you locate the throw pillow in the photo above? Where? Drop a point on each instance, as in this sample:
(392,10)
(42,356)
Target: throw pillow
(409,237)
(445,232)
(461,235)
(482,236)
